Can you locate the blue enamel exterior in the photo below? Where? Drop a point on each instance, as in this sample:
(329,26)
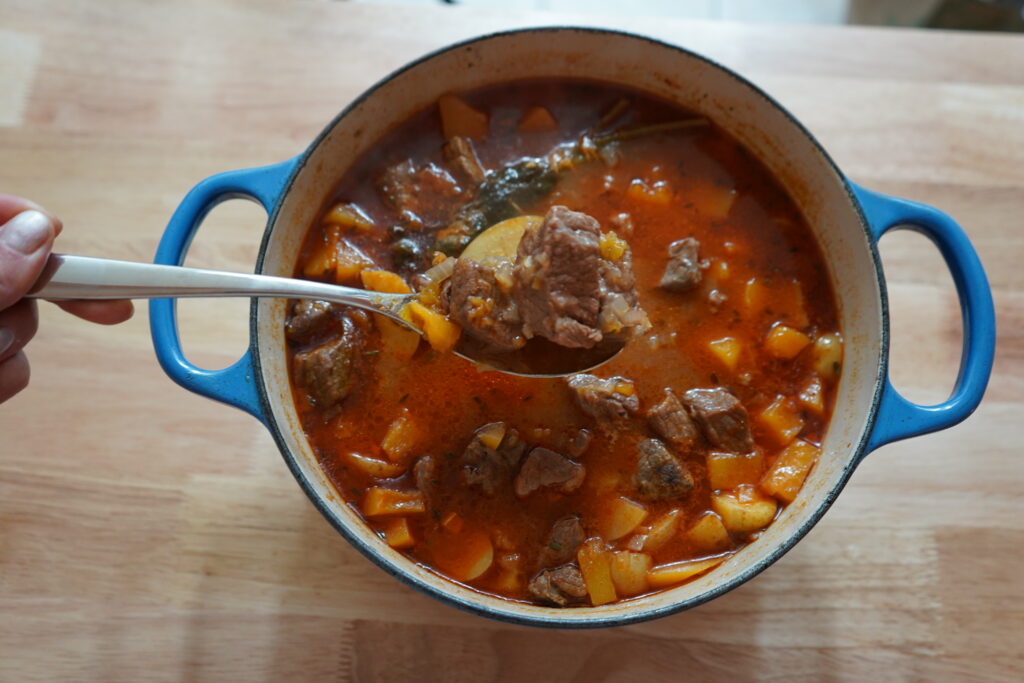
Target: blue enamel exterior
(896,417)
(236,384)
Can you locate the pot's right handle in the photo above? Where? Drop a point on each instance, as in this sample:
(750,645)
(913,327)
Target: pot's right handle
(897,417)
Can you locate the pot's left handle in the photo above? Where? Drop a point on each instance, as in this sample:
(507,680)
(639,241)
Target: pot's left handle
(236,384)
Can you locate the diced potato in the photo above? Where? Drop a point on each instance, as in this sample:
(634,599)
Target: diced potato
(384,281)
(380,501)
(828,356)
(677,572)
(500,241)
(662,530)
(466,555)
(714,201)
(784,342)
(658,193)
(460,119)
(399,342)
(374,467)
(729,470)
(595,564)
(452,522)
(812,396)
(621,517)
(604,481)
(397,533)
(491,434)
(348,216)
(441,333)
(612,246)
(781,420)
(786,475)
(349,261)
(709,533)
(537,120)
(727,350)
(401,438)
(509,581)
(719,270)
(742,513)
(629,572)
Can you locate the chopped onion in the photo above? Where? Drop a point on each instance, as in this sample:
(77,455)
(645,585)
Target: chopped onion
(442,271)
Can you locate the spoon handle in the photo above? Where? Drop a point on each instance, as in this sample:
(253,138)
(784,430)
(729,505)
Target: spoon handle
(84,277)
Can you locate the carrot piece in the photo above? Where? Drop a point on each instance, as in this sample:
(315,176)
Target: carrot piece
(662,530)
(784,342)
(782,420)
(460,119)
(658,193)
(537,120)
(786,475)
(441,333)
(397,533)
(380,501)
(384,281)
(465,555)
(595,565)
(727,350)
(349,261)
(729,470)
(348,216)
(812,396)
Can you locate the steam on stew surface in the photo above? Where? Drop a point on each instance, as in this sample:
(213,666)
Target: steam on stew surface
(638,218)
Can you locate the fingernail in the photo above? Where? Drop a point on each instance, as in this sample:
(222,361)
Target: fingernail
(6,339)
(26,232)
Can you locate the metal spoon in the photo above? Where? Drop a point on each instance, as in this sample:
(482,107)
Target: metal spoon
(82,277)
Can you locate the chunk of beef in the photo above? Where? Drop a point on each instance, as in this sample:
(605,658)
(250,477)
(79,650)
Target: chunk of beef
(424,472)
(422,195)
(557,278)
(308,317)
(564,540)
(721,417)
(670,421)
(659,475)
(682,272)
(579,442)
(326,371)
(545,468)
(603,398)
(478,301)
(558,586)
(489,468)
(460,153)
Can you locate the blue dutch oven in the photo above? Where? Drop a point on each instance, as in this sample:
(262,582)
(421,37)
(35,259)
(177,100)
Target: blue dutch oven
(847,220)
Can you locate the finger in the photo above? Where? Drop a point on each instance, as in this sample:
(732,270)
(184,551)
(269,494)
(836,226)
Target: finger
(102,312)
(25,243)
(13,375)
(18,324)
(11,205)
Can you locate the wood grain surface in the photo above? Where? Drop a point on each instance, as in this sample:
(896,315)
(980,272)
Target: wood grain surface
(149,534)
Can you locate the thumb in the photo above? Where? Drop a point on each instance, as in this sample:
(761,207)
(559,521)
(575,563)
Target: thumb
(25,243)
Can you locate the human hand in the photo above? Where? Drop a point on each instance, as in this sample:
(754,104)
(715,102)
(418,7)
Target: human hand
(26,237)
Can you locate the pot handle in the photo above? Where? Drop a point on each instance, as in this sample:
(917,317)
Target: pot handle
(234,385)
(898,418)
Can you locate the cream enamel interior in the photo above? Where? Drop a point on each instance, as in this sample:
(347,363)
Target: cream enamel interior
(674,75)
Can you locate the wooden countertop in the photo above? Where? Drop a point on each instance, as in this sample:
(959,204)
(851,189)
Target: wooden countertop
(149,533)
